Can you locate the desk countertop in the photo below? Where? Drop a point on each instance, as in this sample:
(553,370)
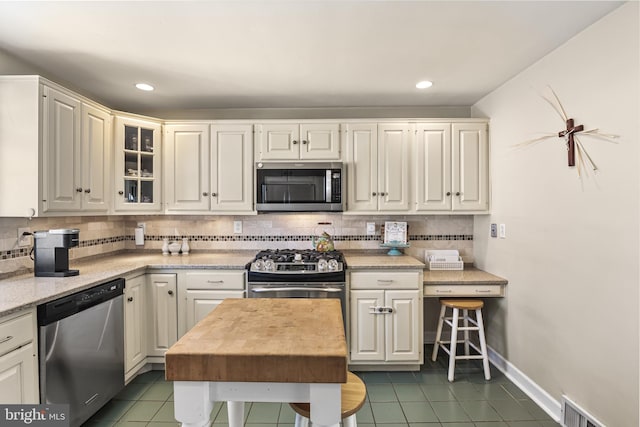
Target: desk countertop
(468,276)
(264,340)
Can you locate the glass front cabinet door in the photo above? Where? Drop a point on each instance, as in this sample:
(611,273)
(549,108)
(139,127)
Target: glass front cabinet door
(137,165)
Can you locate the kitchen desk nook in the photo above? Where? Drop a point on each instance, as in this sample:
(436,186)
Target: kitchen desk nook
(260,350)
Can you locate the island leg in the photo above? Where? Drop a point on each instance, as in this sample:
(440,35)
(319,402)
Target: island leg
(325,404)
(236,413)
(192,403)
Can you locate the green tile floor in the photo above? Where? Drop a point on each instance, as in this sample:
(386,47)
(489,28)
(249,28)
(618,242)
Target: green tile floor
(394,399)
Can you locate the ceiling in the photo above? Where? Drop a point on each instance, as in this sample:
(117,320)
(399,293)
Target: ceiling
(275,53)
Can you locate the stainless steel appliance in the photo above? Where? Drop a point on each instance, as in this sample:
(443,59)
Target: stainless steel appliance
(299,187)
(81,349)
(51,252)
(291,273)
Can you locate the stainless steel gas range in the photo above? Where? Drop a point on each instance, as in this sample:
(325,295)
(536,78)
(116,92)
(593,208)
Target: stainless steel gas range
(291,273)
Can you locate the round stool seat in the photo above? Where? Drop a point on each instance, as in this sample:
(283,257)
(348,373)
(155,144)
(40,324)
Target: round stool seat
(353,392)
(463,304)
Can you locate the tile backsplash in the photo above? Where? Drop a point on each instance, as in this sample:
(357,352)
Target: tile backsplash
(105,234)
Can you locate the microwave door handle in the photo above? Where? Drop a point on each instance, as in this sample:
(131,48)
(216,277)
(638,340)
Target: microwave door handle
(327,186)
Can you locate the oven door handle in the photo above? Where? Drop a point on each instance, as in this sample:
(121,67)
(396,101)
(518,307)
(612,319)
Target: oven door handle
(297,288)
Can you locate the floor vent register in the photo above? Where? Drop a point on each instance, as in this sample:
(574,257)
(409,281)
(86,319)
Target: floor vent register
(574,416)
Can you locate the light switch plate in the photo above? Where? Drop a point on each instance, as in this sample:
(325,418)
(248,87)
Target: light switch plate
(503,231)
(371,228)
(237,226)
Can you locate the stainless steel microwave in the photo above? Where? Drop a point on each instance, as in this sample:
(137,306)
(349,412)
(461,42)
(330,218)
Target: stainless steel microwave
(299,187)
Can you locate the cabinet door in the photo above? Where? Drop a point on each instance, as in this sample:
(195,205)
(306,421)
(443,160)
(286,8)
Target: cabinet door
(320,141)
(135,343)
(470,167)
(201,302)
(18,376)
(367,326)
(393,166)
(187,167)
(433,167)
(231,168)
(362,166)
(278,142)
(163,315)
(95,148)
(402,326)
(137,171)
(61,148)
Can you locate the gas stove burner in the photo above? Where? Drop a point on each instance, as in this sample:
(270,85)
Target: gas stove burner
(297,261)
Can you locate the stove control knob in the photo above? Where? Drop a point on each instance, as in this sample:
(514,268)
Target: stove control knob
(258,265)
(297,257)
(269,265)
(333,265)
(322,264)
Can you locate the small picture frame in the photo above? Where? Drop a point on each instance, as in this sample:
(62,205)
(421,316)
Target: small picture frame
(395,232)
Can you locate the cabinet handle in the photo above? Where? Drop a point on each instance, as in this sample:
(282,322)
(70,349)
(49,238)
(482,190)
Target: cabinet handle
(214,194)
(205,193)
(448,193)
(130,299)
(170,292)
(295,142)
(87,190)
(121,192)
(79,190)
(374,194)
(215,281)
(483,291)
(5,339)
(385,280)
(438,291)
(304,142)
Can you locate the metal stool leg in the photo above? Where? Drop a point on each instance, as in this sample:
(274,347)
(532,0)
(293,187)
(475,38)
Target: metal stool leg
(436,344)
(454,341)
(483,345)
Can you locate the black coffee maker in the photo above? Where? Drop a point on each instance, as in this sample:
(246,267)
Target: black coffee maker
(51,252)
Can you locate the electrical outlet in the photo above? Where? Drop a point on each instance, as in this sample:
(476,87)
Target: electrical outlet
(371,228)
(494,230)
(237,226)
(503,231)
(23,240)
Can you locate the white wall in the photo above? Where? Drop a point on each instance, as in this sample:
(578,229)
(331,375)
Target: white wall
(570,319)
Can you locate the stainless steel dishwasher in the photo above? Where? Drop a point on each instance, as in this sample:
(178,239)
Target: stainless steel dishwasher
(81,349)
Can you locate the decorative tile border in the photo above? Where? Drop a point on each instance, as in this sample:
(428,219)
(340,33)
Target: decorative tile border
(22,252)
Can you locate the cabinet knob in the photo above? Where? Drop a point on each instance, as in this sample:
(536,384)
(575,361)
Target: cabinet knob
(389,310)
(170,292)
(383,194)
(458,193)
(295,142)
(205,193)
(130,299)
(79,190)
(214,194)
(87,190)
(448,193)
(304,142)
(380,309)
(374,194)
(121,192)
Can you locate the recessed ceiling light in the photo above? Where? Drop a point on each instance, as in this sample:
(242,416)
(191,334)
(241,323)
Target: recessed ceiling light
(144,86)
(424,84)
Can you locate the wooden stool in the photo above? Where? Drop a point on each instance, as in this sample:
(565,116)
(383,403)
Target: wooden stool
(465,305)
(353,394)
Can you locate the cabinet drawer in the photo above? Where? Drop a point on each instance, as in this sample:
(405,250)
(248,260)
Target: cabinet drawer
(463,290)
(215,280)
(385,280)
(16,332)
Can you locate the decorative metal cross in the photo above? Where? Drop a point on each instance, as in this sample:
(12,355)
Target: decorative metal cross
(571,144)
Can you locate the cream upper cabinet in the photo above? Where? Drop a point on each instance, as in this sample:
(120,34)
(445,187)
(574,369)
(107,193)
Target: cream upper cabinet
(96,157)
(451,167)
(137,165)
(378,167)
(292,141)
(209,168)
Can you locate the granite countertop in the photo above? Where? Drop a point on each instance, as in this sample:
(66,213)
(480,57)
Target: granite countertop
(357,261)
(468,276)
(27,291)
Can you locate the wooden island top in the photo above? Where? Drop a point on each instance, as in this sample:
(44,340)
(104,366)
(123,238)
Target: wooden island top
(264,340)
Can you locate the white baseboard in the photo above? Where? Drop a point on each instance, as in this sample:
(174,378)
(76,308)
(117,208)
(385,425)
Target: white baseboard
(536,393)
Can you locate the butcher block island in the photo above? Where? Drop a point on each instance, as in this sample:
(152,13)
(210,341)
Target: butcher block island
(261,350)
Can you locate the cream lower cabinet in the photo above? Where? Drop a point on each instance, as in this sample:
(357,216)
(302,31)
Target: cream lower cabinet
(201,291)
(162,313)
(386,318)
(135,322)
(378,167)
(18,359)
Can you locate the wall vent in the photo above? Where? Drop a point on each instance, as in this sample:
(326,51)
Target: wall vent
(574,416)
